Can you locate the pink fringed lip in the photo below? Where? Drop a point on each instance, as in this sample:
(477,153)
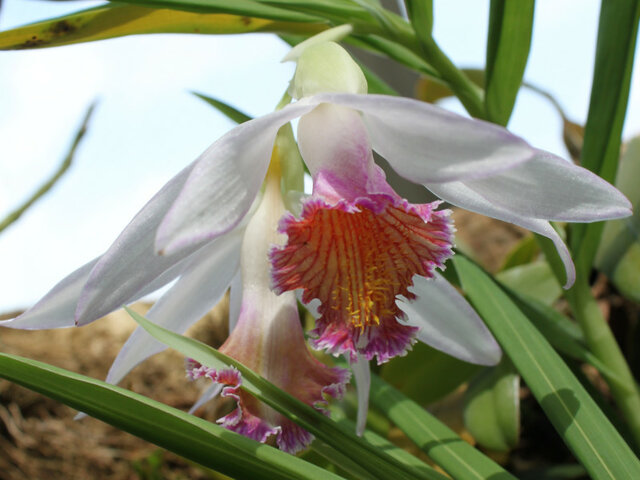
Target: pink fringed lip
(356,258)
(247,419)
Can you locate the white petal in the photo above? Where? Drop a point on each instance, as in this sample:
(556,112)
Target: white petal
(209,394)
(224,182)
(362,375)
(200,287)
(550,188)
(459,194)
(57,308)
(425,143)
(447,322)
(130,266)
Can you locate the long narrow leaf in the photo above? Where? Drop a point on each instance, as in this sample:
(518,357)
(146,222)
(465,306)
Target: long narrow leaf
(560,332)
(230,112)
(574,414)
(443,446)
(370,458)
(237,7)
(508,43)
(196,439)
(615,50)
(113,21)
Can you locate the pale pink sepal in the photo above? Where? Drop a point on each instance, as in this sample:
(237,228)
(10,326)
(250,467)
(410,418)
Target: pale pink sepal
(128,268)
(203,283)
(224,182)
(448,323)
(425,143)
(57,308)
(459,194)
(553,189)
(211,392)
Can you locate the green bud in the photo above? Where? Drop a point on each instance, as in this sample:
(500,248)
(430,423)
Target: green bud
(326,67)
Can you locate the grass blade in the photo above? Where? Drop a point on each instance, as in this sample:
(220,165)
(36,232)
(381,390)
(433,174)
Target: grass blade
(111,21)
(574,414)
(230,112)
(196,439)
(375,461)
(442,444)
(617,34)
(508,43)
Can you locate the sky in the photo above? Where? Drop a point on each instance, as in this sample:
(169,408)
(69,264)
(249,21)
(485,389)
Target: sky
(148,126)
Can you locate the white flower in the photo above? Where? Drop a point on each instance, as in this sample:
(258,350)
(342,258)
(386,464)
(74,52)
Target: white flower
(190,229)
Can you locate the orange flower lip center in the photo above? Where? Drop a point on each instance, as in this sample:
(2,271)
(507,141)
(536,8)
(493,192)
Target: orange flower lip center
(358,259)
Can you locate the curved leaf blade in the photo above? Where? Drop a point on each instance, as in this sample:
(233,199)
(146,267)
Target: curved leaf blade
(196,439)
(574,414)
(113,21)
(508,43)
(227,110)
(615,50)
(442,444)
(372,459)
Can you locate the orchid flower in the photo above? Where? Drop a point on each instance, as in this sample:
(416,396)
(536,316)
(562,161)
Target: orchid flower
(192,228)
(268,339)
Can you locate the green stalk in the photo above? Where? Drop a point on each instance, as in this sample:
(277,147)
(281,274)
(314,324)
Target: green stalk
(420,41)
(421,17)
(469,94)
(604,346)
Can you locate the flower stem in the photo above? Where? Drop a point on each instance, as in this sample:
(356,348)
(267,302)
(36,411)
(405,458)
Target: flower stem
(418,39)
(469,94)
(603,344)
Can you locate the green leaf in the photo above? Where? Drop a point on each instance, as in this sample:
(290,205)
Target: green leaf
(525,251)
(237,7)
(574,414)
(390,449)
(394,51)
(368,457)
(337,11)
(426,374)
(196,439)
(421,17)
(535,279)
(626,276)
(508,43)
(492,407)
(615,49)
(346,10)
(619,235)
(116,20)
(230,112)
(443,446)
